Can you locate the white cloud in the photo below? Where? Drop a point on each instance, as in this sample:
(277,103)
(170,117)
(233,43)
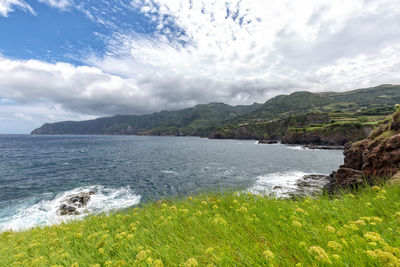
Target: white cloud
(232,51)
(60,4)
(7,6)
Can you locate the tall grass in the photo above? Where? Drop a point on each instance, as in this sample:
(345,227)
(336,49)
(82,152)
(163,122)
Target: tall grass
(223,230)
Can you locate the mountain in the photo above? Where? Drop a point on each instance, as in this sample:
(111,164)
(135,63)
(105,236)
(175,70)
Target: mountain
(199,120)
(223,121)
(282,106)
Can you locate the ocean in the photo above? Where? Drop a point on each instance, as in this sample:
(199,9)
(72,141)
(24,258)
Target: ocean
(37,172)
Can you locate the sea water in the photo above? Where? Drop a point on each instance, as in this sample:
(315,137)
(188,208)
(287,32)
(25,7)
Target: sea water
(37,172)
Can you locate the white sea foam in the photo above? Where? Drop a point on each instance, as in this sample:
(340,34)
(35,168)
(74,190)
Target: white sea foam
(45,212)
(279,183)
(169,172)
(297,147)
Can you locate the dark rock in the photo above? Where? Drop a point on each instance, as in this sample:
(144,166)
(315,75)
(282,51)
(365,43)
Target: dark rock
(308,185)
(267,142)
(353,156)
(371,160)
(324,147)
(74,202)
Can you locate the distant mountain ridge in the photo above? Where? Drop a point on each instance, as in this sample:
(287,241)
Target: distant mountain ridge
(198,120)
(205,120)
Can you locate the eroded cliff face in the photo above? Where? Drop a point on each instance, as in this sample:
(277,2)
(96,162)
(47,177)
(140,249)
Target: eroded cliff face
(374,158)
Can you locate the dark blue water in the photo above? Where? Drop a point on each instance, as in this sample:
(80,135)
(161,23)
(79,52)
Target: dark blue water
(36,172)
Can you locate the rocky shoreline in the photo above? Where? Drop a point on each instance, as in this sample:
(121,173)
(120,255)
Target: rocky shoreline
(73,203)
(371,160)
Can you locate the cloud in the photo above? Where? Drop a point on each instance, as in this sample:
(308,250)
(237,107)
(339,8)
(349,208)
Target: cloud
(236,52)
(60,4)
(7,6)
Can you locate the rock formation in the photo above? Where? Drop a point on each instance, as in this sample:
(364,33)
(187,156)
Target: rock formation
(375,158)
(74,202)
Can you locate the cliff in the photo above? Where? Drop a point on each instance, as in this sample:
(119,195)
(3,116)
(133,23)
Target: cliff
(256,121)
(375,158)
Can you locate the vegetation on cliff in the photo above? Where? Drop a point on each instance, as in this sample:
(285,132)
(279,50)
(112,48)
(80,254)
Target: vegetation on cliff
(374,158)
(256,121)
(224,230)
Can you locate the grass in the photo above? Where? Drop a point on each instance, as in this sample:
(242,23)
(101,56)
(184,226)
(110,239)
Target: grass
(223,230)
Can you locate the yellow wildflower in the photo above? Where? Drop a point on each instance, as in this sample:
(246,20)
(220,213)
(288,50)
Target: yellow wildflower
(395,251)
(199,213)
(300,210)
(190,198)
(380,197)
(130,236)
(235,201)
(376,188)
(383,191)
(330,229)
(173,207)
(101,250)
(296,223)
(209,250)
(336,257)
(75,264)
(215,207)
(385,257)
(158,263)
(164,205)
(334,245)
(372,244)
(242,209)
(204,203)
(359,222)
(218,220)
(319,253)
(141,255)
(78,235)
(192,262)
(64,255)
(268,255)
(372,236)
(149,260)
(120,263)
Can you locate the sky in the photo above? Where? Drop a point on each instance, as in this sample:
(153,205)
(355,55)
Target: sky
(77,60)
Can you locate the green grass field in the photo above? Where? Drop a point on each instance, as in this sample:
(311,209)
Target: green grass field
(359,229)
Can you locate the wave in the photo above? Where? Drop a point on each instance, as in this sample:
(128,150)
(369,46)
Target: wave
(169,172)
(297,147)
(278,183)
(45,212)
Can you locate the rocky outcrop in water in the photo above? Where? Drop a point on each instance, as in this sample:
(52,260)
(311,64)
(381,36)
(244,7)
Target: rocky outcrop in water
(370,160)
(325,147)
(73,203)
(267,142)
(308,185)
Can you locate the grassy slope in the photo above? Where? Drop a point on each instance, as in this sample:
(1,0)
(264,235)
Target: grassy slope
(203,120)
(225,230)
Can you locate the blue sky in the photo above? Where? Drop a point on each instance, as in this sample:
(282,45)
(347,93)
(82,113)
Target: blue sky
(76,60)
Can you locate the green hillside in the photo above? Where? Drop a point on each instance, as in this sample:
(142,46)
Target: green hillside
(199,120)
(367,106)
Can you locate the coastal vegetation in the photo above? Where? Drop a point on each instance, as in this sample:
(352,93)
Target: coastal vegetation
(282,115)
(353,229)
